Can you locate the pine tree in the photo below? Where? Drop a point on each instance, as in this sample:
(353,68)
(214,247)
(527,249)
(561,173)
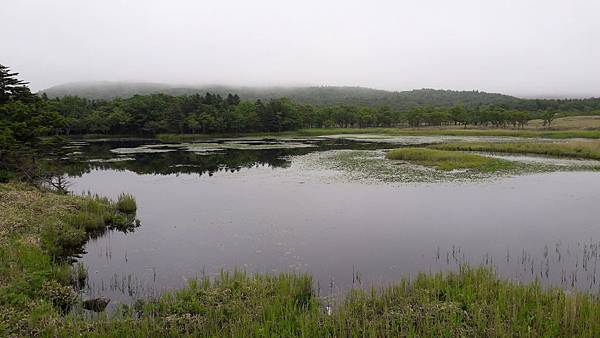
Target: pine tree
(11,88)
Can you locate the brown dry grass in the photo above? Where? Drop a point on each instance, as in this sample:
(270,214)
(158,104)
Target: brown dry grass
(569,123)
(25,210)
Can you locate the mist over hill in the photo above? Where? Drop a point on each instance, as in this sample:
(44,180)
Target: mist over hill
(326,95)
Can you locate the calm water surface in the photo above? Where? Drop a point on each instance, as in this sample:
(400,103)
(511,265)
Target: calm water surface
(265,210)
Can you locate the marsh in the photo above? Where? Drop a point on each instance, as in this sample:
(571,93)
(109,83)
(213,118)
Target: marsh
(272,205)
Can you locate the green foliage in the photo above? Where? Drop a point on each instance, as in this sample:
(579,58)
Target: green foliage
(126,204)
(61,296)
(447,160)
(88,221)
(60,240)
(12,88)
(468,303)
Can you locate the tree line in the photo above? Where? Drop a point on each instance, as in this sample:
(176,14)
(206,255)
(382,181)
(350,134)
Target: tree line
(331,96)
(212,113)
(25,116)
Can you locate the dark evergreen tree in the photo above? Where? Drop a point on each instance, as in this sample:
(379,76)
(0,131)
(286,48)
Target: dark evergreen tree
(11,88)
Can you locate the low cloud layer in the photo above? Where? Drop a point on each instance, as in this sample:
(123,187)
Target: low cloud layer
(519,47)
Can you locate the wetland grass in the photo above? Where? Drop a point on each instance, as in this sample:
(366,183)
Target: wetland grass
(36,288)
(572,149)
(126,204)
(447,160)
(79,275)
(472,302)
(39,232)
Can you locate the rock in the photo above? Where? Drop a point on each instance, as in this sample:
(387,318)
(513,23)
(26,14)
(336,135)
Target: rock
(96,304)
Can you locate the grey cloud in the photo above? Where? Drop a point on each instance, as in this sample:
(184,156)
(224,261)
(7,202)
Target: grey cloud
(524,47)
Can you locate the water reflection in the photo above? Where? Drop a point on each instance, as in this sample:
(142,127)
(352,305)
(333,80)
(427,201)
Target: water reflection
(98,156)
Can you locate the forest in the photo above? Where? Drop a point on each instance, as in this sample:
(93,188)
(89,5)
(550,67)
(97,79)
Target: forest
(25,116)
(331,95)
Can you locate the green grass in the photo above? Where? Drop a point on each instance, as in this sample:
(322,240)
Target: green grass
(126,204)
(38,231)
(572,149)
(447,160)
(470,302)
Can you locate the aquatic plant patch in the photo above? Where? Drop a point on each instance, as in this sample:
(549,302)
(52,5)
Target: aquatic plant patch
(448,160)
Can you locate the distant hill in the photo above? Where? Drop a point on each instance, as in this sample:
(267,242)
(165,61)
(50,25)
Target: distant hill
(328,95)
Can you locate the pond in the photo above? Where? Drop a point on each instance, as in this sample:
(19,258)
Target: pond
(305,205)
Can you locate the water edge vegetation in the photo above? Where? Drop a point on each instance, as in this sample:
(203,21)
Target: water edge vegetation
(37,288)
(448,160)
(571,149)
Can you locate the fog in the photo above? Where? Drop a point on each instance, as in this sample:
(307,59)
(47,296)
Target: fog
(519,47)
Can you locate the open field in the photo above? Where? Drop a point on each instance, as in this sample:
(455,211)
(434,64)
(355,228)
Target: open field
(569,123)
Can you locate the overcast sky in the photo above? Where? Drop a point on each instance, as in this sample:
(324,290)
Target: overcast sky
(519,47)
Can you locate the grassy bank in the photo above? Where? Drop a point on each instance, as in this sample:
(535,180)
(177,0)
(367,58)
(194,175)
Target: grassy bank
(582,149)
(36,285)
(447,160)
(472,302)
(39,231)
(551,134)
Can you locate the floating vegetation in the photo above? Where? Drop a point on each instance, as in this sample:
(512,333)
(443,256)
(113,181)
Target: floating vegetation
(373,166)
(79,143)
(370,166)
(146,149)
(448,160)
(111,160)
(210,147)
(242,145)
